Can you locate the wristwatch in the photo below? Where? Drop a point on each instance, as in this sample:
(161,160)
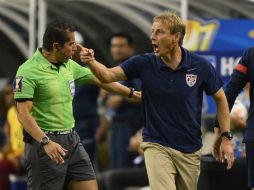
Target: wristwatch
(44,141)
(227,134)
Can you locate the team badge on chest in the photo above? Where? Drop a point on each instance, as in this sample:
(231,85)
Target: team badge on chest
(191,79)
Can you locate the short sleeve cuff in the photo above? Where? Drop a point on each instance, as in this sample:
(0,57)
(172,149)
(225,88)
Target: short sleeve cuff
(23,99)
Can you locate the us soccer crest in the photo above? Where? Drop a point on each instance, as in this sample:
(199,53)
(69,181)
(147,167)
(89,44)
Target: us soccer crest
(191,79)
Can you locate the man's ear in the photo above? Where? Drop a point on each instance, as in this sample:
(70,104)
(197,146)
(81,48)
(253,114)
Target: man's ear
(177,36)
(56,46)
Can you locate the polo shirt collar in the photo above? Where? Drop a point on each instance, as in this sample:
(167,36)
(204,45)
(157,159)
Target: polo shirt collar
(185,63)
(43,61)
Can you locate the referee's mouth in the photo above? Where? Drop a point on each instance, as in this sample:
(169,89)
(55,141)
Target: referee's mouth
(71,55)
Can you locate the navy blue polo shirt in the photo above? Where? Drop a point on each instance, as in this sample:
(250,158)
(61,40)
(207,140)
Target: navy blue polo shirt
(172,99)
(243,73)
(85,101)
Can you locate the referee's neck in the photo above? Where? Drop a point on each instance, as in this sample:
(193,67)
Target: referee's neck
(50,56)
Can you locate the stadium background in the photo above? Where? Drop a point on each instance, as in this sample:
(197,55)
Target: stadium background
(218,29)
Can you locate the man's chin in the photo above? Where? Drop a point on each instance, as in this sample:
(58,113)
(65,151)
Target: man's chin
(156,54)
(67,59)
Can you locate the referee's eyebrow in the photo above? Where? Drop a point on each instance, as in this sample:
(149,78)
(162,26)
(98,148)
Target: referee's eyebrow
(72,43)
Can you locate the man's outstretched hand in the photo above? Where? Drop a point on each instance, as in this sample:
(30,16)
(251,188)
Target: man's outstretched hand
(86,55)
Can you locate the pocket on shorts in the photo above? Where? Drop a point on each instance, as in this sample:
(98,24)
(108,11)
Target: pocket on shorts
(195,157)
(196,154)
(144,145)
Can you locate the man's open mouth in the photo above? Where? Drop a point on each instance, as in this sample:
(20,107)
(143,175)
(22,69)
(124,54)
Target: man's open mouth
(155,48)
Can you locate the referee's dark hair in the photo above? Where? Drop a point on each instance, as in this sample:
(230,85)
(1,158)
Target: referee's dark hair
(56,32)
(123,35)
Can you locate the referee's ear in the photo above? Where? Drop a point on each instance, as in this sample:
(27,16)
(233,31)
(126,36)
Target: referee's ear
(56,46)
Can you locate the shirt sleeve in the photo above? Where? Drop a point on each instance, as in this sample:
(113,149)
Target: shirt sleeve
(133,66)
(136,84)
(238,79)
(81,74)
(212,81)
(23,85)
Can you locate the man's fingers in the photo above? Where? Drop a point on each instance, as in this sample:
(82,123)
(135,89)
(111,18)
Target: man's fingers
(216,154)
(53,157)
(80,46)
(85,56)
(60,159)
(86,52)
(221,156)
(65,150)
(229,157)
(90,51)
(137,93)
(57,155)
(57,158)
(62,151)
(230,161)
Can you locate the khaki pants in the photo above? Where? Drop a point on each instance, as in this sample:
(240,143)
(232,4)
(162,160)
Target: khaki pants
(169,169)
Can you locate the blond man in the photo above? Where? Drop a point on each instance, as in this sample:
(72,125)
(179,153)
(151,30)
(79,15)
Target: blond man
(173,82)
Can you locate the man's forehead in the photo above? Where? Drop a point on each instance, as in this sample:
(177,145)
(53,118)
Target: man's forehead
(160,24)
(71,37)
(119,38)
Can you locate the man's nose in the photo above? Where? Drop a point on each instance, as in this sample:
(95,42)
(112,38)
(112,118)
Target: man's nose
(75,47)
(152,36)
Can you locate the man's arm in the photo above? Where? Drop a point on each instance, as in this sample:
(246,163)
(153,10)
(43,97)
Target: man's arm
(53,150)
(117,88)
(222,110)
(104,74)
(237,81)
(226,147)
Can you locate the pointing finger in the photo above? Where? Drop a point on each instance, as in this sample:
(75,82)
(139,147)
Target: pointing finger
(80,46)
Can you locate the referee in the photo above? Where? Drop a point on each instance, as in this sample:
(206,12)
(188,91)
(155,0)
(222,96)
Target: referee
(44,88)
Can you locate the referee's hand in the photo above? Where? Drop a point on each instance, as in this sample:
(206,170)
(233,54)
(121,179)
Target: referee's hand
(55,151)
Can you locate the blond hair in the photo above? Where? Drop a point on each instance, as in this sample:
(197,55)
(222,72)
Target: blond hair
(175,22)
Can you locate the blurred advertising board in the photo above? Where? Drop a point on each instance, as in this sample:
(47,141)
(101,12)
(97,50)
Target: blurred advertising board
(222,42)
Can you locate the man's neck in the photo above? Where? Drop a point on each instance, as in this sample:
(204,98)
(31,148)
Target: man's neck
(50,56)
(173,59)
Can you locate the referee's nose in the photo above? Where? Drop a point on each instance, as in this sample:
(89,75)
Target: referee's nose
(74,47)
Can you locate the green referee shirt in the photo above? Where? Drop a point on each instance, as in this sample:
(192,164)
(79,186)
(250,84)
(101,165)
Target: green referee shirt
(51,89)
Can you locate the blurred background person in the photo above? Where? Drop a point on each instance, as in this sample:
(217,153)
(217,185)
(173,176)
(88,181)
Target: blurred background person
(239,112)
(86,117)
(238,120)
(85,111)
(123,116)
(6,101)
(12,152)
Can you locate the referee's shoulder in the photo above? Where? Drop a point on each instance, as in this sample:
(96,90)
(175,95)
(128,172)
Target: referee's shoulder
(71,63)
(28,66)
